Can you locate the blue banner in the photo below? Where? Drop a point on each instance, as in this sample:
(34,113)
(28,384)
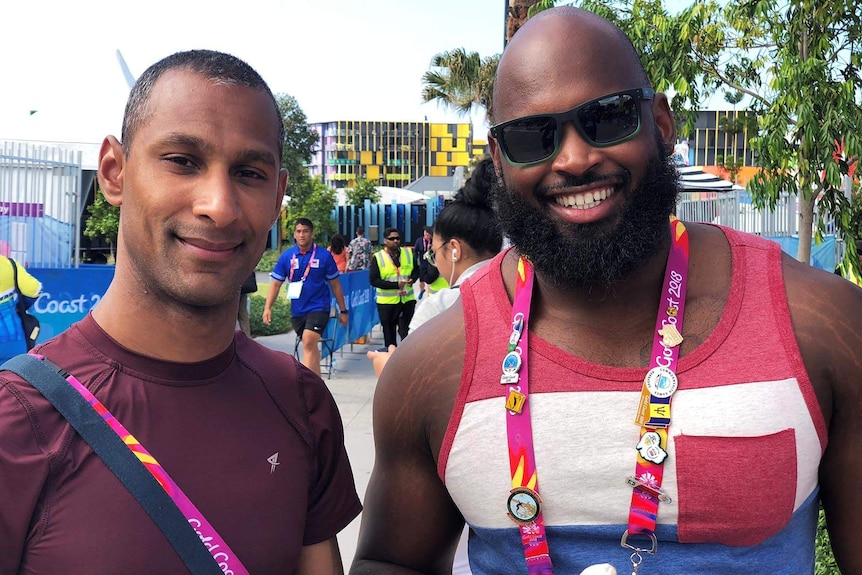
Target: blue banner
(68,294)
(362,310)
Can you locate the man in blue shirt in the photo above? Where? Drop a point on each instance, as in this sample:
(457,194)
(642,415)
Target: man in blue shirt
(310,272)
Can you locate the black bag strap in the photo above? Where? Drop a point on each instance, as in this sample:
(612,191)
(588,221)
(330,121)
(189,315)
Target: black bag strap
(49,380)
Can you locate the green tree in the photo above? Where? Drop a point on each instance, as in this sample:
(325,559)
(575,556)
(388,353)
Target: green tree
(299,140)
(314,200)
(460,79)
(364,190)
(104,221)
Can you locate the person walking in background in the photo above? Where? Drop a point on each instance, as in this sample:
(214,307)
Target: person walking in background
(619,376)
(251,439)
(338,251)
(393,272)
(359,252)
(249,286)
(311,273)
(13,340)
(427,273)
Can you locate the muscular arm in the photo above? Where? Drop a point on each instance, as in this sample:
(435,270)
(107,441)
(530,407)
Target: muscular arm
(827,319)
(322,558)
(410,524)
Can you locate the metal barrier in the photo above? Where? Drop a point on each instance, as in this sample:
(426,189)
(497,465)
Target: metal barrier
(40,205)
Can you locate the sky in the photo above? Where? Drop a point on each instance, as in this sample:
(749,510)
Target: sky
(60,80)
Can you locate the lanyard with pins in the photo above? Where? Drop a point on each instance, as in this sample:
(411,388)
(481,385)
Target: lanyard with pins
(524,505)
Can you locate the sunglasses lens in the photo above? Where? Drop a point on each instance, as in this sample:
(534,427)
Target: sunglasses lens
(603,122)
(610,120)
(529,140)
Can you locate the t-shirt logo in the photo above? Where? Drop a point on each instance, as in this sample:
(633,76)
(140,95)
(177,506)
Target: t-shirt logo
(314,263)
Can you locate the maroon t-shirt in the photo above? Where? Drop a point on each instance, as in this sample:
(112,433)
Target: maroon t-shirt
(215,426)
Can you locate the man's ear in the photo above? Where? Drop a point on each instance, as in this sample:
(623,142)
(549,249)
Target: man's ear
(664,122)
(111,170)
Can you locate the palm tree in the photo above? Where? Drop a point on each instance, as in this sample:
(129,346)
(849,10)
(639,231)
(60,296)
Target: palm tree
(519,11)
(460,79)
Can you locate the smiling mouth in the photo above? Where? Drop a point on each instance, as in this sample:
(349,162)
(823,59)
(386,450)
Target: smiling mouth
(584,200)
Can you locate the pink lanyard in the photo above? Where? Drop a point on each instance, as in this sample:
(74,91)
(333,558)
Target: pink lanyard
(224,556)
(307,267)
(524,503)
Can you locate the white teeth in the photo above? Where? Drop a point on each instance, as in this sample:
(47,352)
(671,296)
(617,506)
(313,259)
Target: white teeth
(586,200)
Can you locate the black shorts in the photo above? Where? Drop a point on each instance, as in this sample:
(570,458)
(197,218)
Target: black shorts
(316,321)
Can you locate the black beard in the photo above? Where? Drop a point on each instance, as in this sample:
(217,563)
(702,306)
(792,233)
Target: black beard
(589,255)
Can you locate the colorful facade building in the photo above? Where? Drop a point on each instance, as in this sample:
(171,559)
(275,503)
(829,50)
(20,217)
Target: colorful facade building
(390,153)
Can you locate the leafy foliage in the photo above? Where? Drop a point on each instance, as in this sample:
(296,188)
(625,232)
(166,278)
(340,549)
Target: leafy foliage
(364,190)
(314,200)
(280,316)
(460,79)
(299,140)
(824,560)
(267,261)
(104,220)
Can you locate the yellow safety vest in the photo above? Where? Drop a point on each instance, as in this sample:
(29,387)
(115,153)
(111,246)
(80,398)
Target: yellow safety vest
(847,271)
(388,272)
(438,284)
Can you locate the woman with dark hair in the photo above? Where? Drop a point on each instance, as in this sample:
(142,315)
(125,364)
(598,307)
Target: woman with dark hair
(339,252)
(465,238)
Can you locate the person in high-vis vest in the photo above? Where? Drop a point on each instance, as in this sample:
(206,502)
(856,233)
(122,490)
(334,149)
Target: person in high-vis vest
(393,272)
(846,270)
(12,338)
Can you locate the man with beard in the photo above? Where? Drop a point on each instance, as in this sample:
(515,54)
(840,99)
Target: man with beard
(627,390)
(255,471)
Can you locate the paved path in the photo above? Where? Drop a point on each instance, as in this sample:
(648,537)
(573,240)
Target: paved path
(352,385)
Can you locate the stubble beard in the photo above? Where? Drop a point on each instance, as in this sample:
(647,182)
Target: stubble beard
(587,256)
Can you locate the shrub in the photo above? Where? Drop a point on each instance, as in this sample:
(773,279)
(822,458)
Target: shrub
(824,561)
(280,316)
(267,261)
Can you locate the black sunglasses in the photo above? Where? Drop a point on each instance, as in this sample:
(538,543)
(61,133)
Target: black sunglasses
(602,122)
(394,239)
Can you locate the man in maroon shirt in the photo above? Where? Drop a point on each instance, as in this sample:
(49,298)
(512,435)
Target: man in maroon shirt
(251,437)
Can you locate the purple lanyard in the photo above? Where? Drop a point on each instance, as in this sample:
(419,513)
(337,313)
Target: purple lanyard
(224,556)
(307,267)
(524,505)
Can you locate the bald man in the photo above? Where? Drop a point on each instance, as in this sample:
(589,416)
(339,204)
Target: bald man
(620,390)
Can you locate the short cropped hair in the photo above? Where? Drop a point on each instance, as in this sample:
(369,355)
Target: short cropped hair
(212,65)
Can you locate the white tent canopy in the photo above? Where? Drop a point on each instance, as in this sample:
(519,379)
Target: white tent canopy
(389,194)
(694,179)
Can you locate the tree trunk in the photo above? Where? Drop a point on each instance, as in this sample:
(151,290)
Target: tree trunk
(516,16)
(806,225)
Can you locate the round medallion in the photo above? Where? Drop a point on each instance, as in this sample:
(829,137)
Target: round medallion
(661,382)
(512,362)
(524,505)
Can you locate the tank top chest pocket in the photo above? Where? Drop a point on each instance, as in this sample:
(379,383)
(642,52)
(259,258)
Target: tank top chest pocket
(738,491)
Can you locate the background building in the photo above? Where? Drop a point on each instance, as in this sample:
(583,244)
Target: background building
(388,153)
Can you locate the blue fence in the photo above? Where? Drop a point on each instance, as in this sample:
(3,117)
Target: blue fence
(68,294)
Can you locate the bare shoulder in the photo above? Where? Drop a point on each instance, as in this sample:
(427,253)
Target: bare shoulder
(826,311)
(418,386)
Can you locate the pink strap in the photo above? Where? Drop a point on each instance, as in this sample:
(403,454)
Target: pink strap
(224,556)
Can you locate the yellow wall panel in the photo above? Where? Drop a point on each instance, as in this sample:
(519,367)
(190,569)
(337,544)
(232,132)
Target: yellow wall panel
(460,159)
(463,130)
(366,158)
(434,144)
(438,171)
(372,172)
(440,131)
(441,159)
